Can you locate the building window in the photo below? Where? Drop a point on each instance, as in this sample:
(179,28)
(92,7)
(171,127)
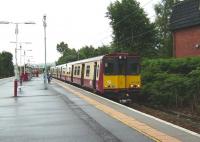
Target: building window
(87,70)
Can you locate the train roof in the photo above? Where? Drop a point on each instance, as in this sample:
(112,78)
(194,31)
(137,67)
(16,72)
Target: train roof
(96,59)
(87,60)
(101,57)
(58,66)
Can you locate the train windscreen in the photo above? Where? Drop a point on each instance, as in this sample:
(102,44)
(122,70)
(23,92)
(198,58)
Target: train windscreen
(121,66)
(133,66)
(110,66)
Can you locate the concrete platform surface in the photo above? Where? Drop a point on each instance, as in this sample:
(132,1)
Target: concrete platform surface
(56,115)
(148,125)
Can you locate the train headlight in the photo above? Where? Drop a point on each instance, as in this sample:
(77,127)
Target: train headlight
(138,85)
(134,86)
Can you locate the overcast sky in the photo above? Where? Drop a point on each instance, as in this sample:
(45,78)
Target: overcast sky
(76,22)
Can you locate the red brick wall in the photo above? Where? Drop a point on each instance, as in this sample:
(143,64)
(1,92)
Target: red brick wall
(185,41)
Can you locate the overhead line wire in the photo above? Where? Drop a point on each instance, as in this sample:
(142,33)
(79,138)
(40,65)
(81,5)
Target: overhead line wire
(129,26)
(133,12)
(129,16)
(140,34)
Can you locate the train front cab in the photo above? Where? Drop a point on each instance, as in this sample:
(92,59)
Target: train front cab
(121,78)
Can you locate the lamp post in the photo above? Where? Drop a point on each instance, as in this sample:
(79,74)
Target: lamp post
(45,66)
(16,34)
(25,60)
(16,65)
(20,69)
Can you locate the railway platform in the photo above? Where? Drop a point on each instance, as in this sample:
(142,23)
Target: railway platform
(64,113)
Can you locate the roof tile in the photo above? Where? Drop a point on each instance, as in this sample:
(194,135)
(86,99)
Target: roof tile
(185,14)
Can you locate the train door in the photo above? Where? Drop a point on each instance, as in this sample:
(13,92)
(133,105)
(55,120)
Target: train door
(61,73)
(72,73)
(57,73)
(122,72)
(94,77)
(82,74)
(133,71)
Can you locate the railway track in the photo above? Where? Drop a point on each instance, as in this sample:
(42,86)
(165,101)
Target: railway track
(188,121)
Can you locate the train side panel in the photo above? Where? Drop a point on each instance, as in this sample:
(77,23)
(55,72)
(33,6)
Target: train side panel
(89,75)
(68,74)
(77,74)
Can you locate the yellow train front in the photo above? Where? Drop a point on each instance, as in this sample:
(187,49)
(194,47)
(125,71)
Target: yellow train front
(121,76)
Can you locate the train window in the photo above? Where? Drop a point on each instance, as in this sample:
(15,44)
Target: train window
(97,71)
(75,70)
(78,71)
(109,68)
(122,67)
(87,71)
(133,68)
(69,70)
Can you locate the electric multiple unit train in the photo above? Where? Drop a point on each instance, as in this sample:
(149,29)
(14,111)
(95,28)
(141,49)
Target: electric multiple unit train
(115,75)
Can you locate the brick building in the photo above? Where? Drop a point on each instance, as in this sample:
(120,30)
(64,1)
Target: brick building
(185,25)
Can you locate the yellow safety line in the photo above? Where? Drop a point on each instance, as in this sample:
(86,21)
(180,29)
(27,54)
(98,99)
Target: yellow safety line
(129,121)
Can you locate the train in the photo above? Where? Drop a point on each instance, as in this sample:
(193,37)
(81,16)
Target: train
(114,76)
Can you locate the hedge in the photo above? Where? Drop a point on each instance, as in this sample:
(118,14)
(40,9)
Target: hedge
(172,82)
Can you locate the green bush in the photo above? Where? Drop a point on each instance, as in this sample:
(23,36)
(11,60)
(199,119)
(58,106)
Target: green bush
(172,82)
(6,65)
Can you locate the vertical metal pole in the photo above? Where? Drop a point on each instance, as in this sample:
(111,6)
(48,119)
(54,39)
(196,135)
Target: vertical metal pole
(16,66)
(15,88)
(20,67)
(45,67)
(24,62)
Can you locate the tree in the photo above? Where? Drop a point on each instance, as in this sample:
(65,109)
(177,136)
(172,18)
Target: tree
(102,50)
(68,55)
(62,47)
(6,65)
(86,52)
(132,30)
(163,12)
